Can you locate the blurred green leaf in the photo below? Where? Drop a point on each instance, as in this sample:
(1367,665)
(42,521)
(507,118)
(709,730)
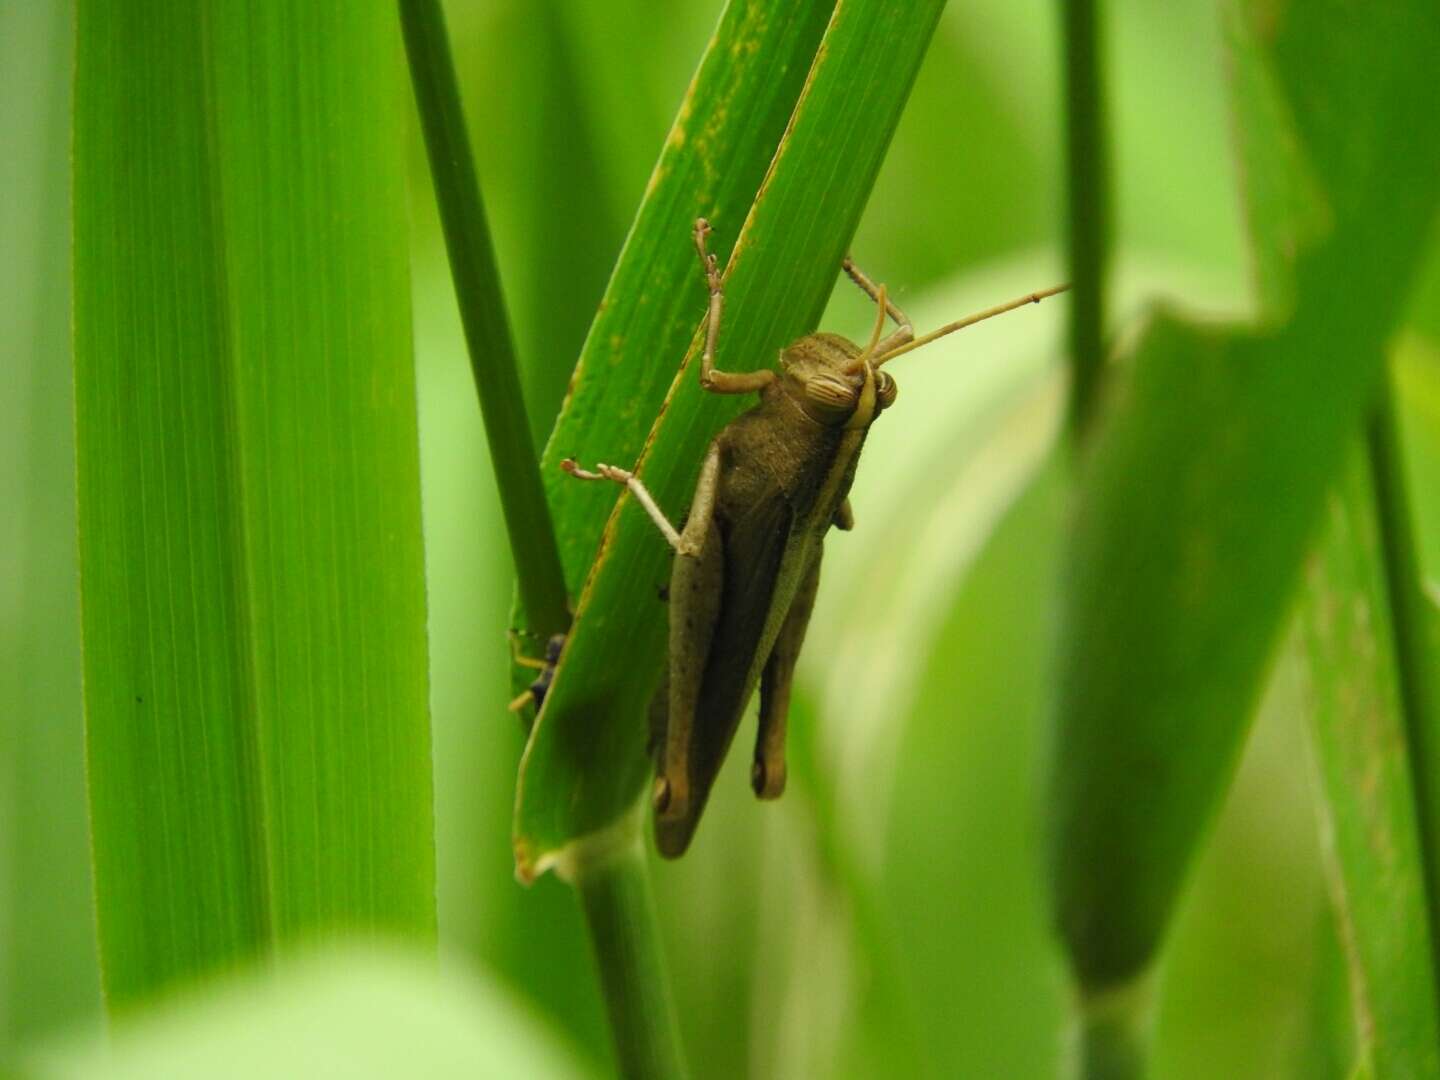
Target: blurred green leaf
(251,570)
(964,765)
(1087,160)
(1239,966)
(948,505)
(1204,485)
(1417,385)
(47,936)
(356,1014)
(1405,444)
(570,247)
(1327,1038)
(1368,806)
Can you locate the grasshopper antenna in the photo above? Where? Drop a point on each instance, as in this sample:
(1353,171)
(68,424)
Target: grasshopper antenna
(969,320)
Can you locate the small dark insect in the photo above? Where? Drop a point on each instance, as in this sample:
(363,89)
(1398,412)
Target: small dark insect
(536,691)
(747,562)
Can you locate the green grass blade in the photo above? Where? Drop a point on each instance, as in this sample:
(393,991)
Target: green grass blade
(634,983)
(585,765)
(482,311)
(1088,192)
(1206,483)
(251,563)
(1404,439)
(1368,806)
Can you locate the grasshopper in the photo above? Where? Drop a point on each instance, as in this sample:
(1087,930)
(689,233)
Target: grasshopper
(747,561)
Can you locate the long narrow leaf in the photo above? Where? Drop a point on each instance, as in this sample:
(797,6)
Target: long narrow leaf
(585,765)
(251,564)
(1368,805)
(1087,148)
(1403,439)
(1206,482)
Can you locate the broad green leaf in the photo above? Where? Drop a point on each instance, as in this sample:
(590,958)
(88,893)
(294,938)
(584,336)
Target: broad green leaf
(251,564)
(1368,808)
(359,1014)
(1208,474)
(585,765)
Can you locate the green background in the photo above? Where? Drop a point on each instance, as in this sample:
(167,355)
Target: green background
(926,946)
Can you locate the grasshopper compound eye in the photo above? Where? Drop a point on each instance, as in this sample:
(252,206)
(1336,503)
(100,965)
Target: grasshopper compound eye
(885,389)
(830,393)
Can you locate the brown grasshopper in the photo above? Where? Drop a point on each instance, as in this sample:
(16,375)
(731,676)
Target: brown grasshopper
(747,562)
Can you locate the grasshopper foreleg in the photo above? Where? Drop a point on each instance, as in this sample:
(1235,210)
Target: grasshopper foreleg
(905,331)
(720,382)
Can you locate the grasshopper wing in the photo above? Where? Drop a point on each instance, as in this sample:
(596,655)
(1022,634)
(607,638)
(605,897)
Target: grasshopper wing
(706,697)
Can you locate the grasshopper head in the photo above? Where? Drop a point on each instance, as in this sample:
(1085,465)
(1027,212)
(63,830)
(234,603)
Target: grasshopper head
(821,375)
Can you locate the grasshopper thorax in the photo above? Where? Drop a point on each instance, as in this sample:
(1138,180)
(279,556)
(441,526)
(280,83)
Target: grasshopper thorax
(822,377)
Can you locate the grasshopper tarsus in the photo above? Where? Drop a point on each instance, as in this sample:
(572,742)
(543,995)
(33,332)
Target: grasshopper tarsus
(767,780)
(630,481)
(602,472)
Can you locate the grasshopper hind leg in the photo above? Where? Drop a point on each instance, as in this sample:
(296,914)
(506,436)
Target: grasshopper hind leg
(695,586)
(767,775)
(696,581)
